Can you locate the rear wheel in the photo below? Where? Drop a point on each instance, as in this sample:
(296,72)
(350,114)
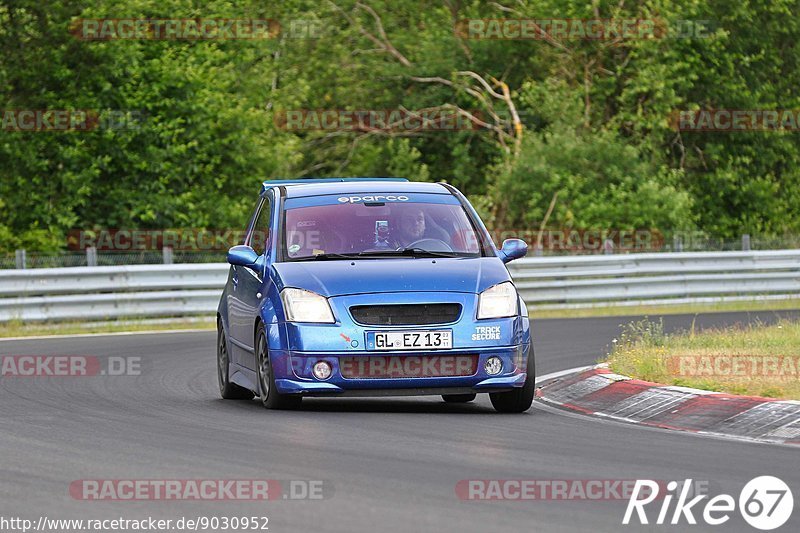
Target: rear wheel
(270,396)
(520,399)
(458,398)
(228,390)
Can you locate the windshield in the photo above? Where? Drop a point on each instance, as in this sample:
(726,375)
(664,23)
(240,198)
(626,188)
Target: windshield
(379,229)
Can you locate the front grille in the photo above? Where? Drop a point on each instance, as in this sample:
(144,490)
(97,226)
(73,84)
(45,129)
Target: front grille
(405,314)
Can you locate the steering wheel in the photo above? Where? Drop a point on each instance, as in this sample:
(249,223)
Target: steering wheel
(431,245)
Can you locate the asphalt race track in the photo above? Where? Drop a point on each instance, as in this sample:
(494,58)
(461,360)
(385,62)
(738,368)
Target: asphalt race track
(386,465)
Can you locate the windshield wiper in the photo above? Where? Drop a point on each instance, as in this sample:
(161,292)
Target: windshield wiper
(326,257)
(405,252)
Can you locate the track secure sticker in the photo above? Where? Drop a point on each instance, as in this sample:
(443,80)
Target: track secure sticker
(486,333)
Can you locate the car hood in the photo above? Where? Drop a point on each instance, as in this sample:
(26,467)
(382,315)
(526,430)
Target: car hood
(338,278)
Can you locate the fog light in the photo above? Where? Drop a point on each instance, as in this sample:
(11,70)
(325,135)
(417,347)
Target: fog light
(322,370)
(493,366)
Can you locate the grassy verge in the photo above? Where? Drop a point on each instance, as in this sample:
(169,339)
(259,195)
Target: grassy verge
(20,329)
(651,310)
(752,360)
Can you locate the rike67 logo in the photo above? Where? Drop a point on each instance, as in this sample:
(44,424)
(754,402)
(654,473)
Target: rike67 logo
(765,503)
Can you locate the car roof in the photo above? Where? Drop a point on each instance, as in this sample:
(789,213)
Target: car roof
(319,187)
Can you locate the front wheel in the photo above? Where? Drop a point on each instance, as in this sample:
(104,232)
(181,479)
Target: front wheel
(270,396)
(520,399)
(228,390)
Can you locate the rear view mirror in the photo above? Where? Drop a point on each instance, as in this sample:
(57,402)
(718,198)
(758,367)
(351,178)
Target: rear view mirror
(243,255)
(513,249)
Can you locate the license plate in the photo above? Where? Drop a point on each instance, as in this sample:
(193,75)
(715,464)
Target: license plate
(410,340)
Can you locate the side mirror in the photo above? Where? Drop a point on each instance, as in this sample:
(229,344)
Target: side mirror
(243,255)
(513,249)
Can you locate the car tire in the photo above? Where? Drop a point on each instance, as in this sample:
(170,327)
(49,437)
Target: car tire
(228,390)
(458,398)
(520,399)
(268,392)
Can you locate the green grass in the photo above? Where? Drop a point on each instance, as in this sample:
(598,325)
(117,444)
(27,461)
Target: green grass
(20,329)
(755,360)
(650,310)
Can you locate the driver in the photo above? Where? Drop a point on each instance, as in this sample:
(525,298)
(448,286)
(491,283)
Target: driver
(414,227)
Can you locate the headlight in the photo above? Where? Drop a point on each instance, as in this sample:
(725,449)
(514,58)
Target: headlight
(498,301)
(306,306)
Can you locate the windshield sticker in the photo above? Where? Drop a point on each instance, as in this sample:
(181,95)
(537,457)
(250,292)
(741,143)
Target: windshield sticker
(373,198)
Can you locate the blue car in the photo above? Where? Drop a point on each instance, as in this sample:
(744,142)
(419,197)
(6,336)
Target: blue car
(372,287)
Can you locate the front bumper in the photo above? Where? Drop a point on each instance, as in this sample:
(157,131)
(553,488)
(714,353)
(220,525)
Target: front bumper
(295,348)
(293,375)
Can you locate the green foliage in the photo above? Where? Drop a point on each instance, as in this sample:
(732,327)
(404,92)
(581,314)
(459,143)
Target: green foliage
(644,351)
(594,113)
(601,180)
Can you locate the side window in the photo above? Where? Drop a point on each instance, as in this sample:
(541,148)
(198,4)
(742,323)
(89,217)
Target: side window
(259,239)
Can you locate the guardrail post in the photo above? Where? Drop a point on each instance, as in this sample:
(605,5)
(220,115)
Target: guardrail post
(746,242)
(677,243)
(166,251)
(21,259)
(91,256)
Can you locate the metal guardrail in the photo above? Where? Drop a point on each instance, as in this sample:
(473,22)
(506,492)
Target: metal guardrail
(80,293)
(585,281)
